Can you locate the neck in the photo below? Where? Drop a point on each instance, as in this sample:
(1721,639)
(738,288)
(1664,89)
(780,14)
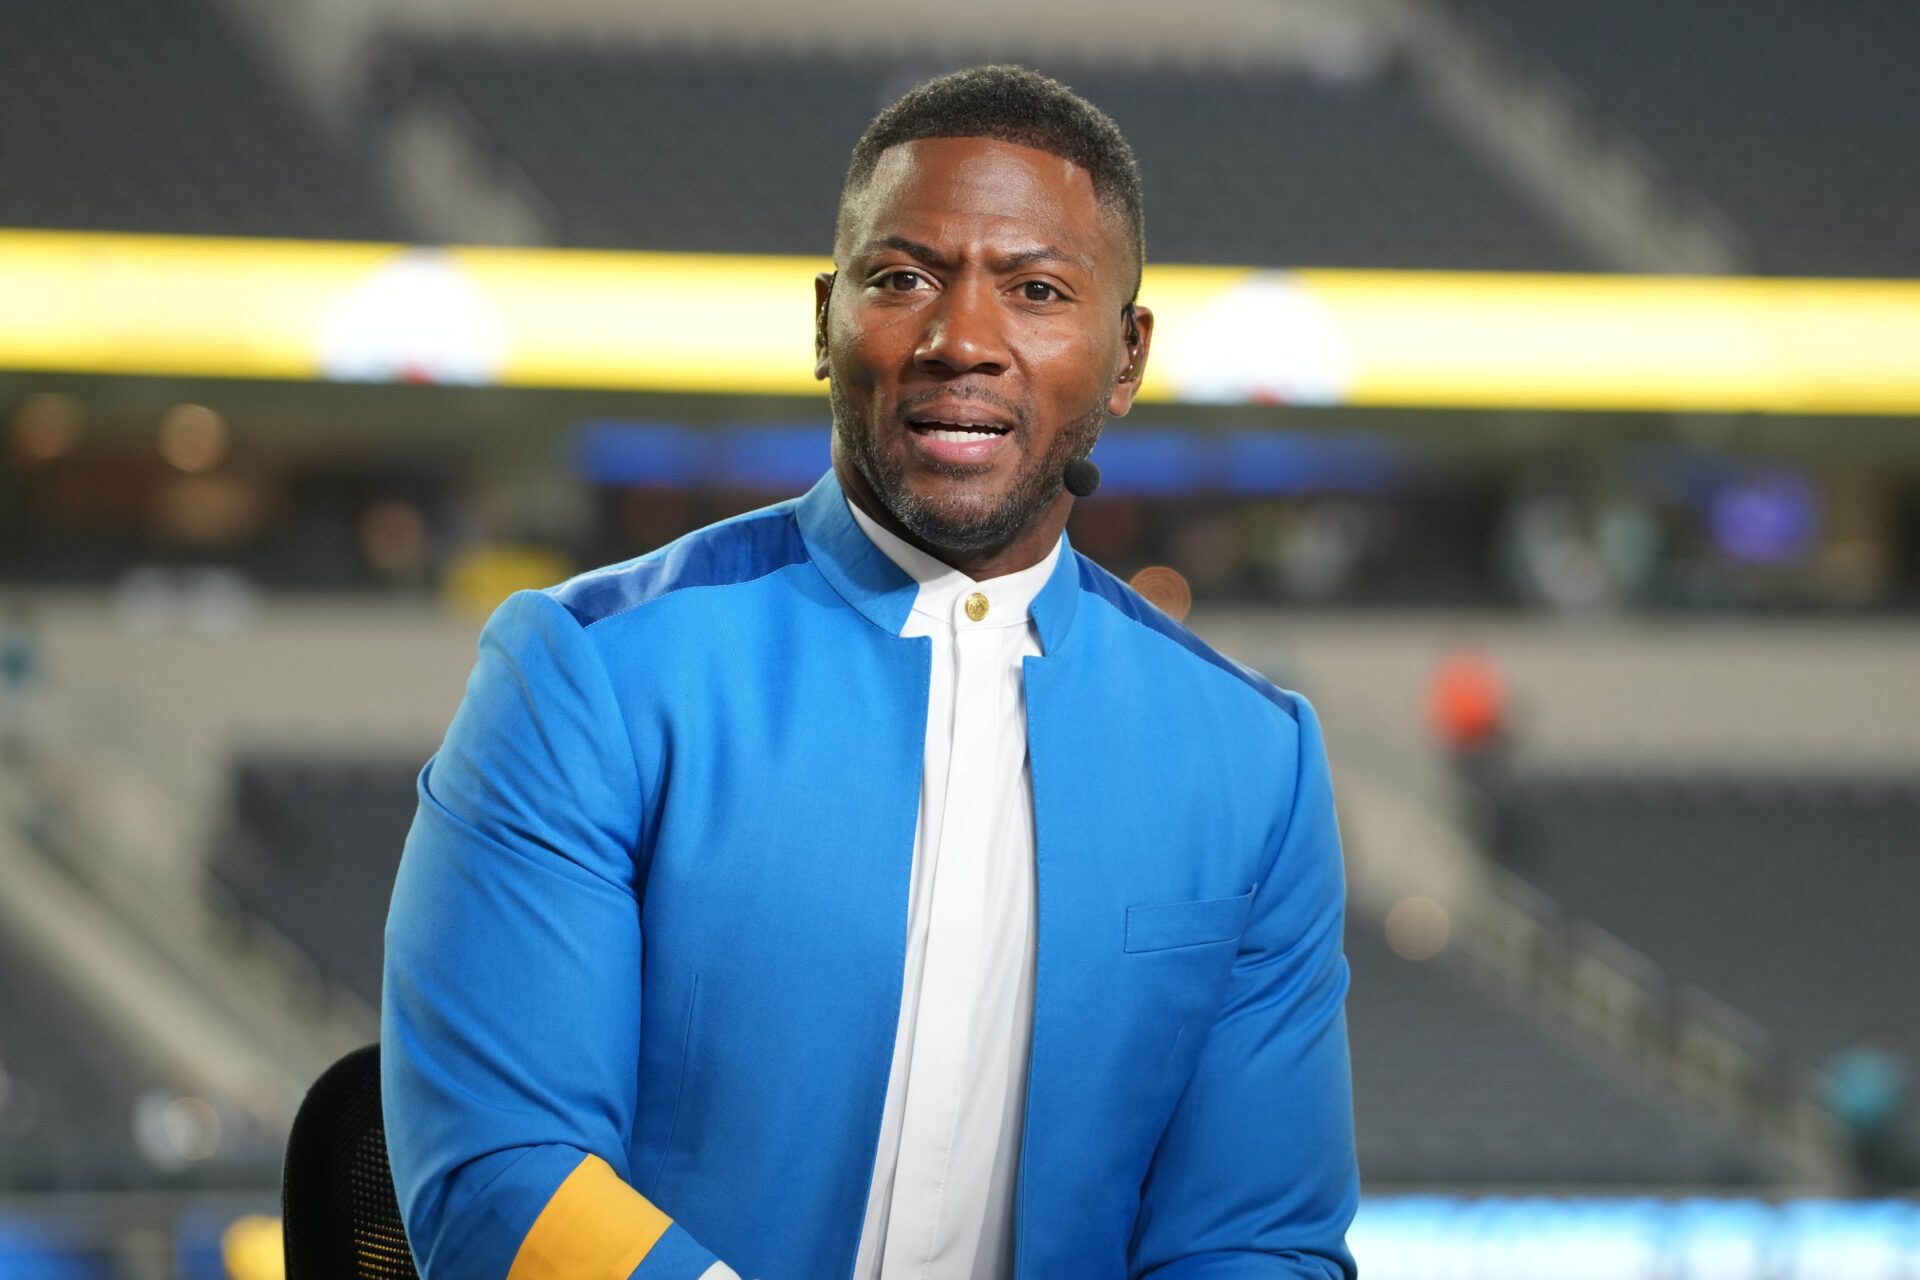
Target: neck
(1024,550)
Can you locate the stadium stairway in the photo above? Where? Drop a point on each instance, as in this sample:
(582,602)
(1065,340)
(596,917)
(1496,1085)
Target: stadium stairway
(69,1084)
(1502,1043)
(1590,179)
(1798,120)
(1458,1084)
(1787,895)
(106,1037)
(228,1024)
(1414,853)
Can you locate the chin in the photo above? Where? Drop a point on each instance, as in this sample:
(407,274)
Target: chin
(960,498)
(964,521)
(956,522)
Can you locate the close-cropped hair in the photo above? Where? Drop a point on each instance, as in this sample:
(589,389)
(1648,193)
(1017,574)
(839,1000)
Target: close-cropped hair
(1015,105)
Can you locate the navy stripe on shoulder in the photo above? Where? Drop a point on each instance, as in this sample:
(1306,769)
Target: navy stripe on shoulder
(1106,586)
(738,550)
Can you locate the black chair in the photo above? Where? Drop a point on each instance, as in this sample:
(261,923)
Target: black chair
(341,1220)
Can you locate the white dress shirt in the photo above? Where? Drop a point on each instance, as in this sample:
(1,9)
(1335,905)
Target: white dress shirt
(941,1203)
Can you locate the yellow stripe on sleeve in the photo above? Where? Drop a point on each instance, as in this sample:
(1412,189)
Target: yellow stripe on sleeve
(595,1227)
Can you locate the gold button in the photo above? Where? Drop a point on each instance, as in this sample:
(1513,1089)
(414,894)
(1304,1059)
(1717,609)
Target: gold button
(976,606)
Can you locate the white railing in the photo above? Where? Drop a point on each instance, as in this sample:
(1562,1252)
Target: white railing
(1595,180)
(1570,974)
(453,183)
(159,906)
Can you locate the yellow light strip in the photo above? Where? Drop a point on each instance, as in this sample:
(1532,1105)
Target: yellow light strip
(190,306)
(1628,342)
(171,304)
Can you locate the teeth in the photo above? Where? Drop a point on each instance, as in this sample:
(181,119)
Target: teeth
(956,432)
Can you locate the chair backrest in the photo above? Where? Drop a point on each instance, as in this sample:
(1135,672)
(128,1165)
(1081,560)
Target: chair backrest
(341,1220)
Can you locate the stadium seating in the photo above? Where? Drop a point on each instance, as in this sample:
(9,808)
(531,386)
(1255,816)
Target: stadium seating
(125,115)
(312,851)
(1455,1086)
(1799,121)
(66,1094)
(1788,898)
(141,115)
(729,152)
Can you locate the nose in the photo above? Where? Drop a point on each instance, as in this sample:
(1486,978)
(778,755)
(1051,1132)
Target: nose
(963,333)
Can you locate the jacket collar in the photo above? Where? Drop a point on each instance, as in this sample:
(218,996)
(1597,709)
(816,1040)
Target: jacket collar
(883,593)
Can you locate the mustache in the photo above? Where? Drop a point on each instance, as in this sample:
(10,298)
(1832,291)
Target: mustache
(934,395)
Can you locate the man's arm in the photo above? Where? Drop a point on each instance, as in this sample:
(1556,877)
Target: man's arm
(1255,1175)
(510,1014)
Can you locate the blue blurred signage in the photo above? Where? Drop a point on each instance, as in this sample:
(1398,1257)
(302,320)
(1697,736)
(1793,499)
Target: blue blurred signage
(786,458)
(1553,1238)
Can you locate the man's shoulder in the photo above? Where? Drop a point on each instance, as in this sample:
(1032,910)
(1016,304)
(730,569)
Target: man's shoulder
(740,549)
(1109,590)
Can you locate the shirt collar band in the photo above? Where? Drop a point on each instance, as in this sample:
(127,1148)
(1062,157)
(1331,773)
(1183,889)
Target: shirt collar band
(884,593)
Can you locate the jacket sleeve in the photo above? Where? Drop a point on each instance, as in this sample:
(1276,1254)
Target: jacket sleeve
(510,1011)
(1255,1175)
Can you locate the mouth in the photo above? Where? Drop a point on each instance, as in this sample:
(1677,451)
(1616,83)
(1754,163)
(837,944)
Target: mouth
(955,431)
(957,435)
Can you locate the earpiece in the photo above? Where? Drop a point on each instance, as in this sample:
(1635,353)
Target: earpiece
(1133,342)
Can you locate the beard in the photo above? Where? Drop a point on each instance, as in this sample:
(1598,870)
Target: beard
(966,524)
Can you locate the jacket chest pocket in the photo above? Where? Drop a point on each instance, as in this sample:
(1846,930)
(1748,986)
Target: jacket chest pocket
(1166,925)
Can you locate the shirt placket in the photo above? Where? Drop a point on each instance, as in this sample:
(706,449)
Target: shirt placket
(922,1233)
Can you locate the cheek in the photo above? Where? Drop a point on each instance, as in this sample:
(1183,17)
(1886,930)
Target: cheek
(866,348)
(1067,370)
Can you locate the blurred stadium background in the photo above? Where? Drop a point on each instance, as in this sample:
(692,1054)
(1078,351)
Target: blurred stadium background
(1538,389)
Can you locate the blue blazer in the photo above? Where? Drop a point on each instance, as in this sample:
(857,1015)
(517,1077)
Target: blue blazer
(645,951)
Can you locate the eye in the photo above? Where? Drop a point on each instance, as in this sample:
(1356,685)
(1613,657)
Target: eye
(901,281)
(1040,291)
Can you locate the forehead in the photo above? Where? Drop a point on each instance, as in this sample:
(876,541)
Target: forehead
(985,189)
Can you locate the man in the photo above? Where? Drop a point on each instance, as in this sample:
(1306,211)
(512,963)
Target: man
(869,886)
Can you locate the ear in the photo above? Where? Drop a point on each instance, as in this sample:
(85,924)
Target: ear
(822,295)
(1127,385)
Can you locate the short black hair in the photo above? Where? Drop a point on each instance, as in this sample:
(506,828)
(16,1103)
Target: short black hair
(1011,104)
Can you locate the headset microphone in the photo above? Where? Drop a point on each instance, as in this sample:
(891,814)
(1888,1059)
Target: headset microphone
(1082,477)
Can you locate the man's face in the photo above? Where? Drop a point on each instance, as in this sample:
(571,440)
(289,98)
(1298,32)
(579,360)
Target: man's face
(974,335)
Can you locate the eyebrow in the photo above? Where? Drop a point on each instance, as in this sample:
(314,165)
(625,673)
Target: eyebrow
(1006,262)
